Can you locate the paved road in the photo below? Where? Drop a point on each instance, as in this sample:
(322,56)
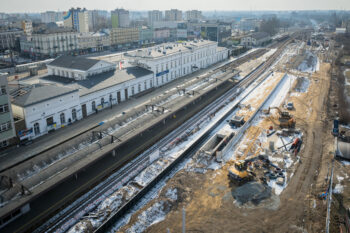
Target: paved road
(15,155)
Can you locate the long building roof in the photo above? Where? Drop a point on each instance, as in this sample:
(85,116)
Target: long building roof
(38,93)
(167,49)
(98,82)
(76,63)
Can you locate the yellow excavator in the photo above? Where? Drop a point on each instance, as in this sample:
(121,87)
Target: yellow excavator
(239,173)
(285,119)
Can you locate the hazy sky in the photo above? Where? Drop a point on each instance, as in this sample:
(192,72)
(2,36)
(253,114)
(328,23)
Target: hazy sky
(204,5)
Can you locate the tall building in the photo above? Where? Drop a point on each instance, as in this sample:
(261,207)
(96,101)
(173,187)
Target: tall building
(3,16)
(154,16)
(173,15)
(124,37)
(120,18)
(93,41)
(7,128)
(193,15)
(146,35)
(27,27)
(51,17)
(9,38)
(52,42)
(97,20)
(248,24)
(77,19)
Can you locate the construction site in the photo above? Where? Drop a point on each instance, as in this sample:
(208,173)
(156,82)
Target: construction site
(271,165)
(258,143)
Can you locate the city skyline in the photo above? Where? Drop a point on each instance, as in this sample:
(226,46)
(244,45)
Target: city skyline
(34,6)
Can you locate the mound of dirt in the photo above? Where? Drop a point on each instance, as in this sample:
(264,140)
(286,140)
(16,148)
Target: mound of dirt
(253,191)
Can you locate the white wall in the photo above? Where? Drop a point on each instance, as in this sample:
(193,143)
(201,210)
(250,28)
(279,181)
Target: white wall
(113,90)
(38,113)
(180,64)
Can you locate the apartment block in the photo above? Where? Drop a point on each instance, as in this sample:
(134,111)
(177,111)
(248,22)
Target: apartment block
(7,129)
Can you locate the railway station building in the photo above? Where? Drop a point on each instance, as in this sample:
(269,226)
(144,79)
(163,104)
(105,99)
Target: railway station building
(76,87)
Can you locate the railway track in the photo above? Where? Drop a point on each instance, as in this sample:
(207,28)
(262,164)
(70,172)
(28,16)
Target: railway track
(241,60)
(70,215)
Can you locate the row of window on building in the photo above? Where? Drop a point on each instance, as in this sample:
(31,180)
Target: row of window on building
(94,107)
(187,59)
(50,122)
(5,126)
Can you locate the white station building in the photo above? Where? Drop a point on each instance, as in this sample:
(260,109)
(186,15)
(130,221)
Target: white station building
(44,107)
(173,60)
(76,87)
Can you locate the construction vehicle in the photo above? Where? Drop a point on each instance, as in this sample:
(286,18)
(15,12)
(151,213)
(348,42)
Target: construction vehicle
(287,123)
(285,119)
(290,106)
(296,146)
(335,130)
(283,114)
(238,173)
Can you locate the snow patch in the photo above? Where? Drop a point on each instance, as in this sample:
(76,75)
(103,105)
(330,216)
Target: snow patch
(171,194)
(338,188)
(80,227)
(346,163)
(276,188)
(152,215)
(340,178)
(214,166)
(278,96)
(148,174)
(310,64)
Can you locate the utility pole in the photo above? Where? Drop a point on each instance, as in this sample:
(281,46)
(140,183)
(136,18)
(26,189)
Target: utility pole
(183,220)
(329,201)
